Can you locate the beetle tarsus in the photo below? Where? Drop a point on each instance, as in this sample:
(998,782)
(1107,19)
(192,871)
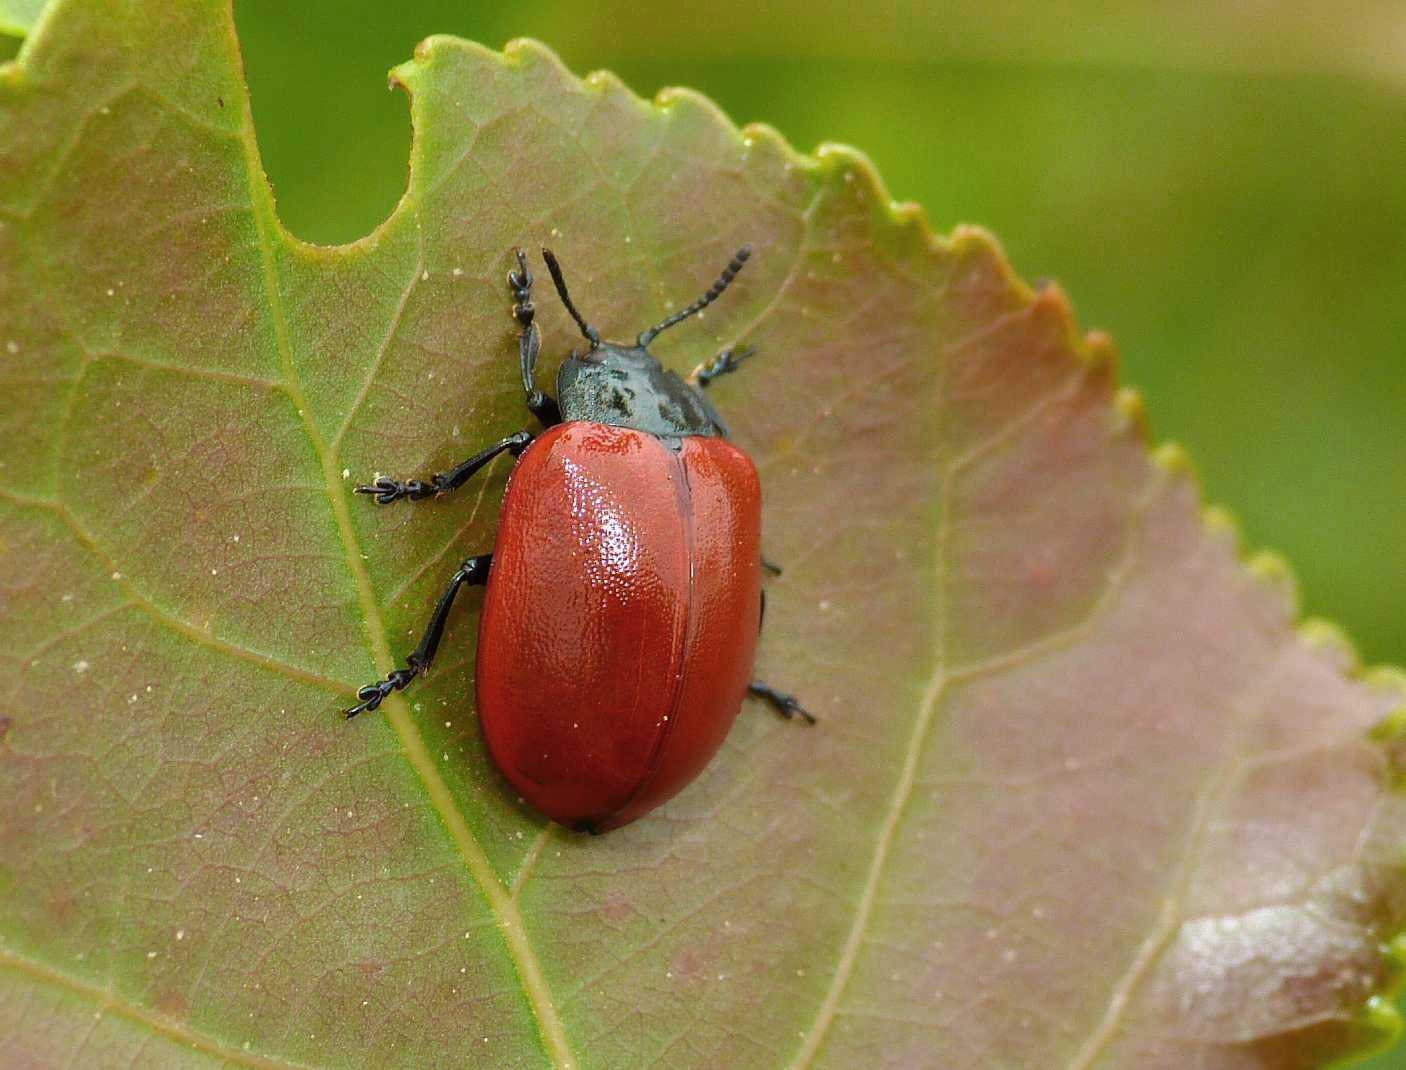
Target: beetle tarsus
(520,282)
(786,705)
(386,490)
(372,695)
(771,567)
(541,405)
(729,360)
(473,573)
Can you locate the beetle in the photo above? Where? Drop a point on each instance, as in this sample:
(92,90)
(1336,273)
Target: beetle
(624,592)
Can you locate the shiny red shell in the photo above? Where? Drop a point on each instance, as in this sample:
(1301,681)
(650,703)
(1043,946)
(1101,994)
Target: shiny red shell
(620,620)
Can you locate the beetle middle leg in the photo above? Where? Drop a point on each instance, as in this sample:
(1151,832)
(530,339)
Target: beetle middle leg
(472,573)
(387,490)
(786,705)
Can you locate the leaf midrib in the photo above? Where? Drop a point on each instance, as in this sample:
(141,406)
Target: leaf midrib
(500,902)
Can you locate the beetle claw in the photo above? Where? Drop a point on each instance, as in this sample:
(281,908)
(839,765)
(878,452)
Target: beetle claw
(386,490)
(372,695)
(786,705)
(738,355)
(726,361)
(790,708)
(522,277)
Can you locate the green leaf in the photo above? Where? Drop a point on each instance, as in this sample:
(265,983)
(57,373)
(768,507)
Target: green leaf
(1083,794)
(18,17)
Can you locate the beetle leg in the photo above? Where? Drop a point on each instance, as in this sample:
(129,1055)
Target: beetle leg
(543,406)
(771,566)
(782,703)
(387,490)
(473,573)
(729,360)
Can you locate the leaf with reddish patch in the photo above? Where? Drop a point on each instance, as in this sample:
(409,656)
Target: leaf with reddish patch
(1082,794)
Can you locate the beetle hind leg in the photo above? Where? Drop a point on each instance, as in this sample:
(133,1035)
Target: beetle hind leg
(786,705)
(472,573)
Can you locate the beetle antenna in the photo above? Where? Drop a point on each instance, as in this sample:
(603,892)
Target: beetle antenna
(592,335)
(714,292)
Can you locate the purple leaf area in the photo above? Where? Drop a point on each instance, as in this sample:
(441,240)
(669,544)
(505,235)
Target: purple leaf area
(1083,794)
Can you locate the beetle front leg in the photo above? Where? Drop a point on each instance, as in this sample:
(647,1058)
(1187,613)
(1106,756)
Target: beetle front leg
(472,573)
(786,705)
(729,360)
(387,490)
(543,406)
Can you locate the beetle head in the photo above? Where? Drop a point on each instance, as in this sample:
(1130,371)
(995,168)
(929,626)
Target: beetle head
(624,385)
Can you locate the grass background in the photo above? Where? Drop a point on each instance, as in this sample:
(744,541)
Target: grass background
(1222,189)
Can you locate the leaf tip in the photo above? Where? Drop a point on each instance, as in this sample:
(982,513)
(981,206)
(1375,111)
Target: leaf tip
(852,166)
(1222,524)
(1389,730)
(1324,635)
(1387,678)
(1131,410)
(768,137)
(425,49)
(1390,734)
(1274,571)
(1396,947)
(910,214)
(1173,459)
(968,241)
(674,98)
(1100,350)
(604,82)
(526,51)
(1383,1021)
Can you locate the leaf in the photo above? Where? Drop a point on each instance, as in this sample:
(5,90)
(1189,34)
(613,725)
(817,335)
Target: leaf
(1083,795)
(18,17)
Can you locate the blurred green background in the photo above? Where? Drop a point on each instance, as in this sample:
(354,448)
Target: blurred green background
(1223,189)
(1225,193)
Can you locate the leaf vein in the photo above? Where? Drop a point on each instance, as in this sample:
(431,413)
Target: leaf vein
(1169,918)
(397,318)
(165,617)
(110,1002)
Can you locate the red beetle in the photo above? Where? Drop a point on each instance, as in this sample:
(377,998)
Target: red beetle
(624,593)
